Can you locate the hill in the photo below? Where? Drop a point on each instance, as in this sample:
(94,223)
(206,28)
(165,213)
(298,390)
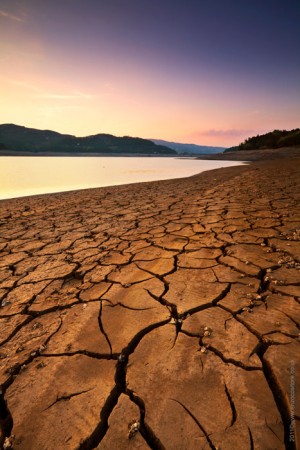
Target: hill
(189,148)
(15,139)
(272,140)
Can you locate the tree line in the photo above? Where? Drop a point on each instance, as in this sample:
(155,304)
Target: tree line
(274,139)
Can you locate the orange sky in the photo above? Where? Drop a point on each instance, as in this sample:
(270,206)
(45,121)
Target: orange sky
(73,80)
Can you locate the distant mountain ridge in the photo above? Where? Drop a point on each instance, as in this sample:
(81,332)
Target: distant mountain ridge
(16,138)
(189,148)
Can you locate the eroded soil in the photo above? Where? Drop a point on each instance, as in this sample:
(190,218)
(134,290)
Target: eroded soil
(155,315)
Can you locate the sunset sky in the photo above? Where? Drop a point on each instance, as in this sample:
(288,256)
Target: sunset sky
(209,72)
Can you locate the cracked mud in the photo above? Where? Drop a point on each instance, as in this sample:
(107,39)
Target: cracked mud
(158,315)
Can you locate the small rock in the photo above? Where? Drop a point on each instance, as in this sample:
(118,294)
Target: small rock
(207,331)
(41,365)
(203,348)
(20,349)
(133,428)
(8,443)
(5,303)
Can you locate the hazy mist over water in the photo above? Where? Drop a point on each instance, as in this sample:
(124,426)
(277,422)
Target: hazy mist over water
(22,176)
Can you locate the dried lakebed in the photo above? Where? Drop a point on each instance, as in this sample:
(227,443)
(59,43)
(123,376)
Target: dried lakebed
(158,315)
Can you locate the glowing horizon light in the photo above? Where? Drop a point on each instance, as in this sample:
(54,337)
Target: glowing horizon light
(114,69)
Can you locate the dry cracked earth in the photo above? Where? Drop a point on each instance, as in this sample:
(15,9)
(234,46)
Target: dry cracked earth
(157,315)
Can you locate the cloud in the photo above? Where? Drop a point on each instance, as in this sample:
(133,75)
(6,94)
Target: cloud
(43,93)
(224,133)
(25,85)
(11,16)
(75,95)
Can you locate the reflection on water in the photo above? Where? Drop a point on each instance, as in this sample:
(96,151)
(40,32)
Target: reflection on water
(21,176)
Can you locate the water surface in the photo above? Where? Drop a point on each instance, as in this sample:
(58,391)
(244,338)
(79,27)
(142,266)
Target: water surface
(22,176)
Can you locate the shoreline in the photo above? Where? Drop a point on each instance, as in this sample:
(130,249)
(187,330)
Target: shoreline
(256,155)
(158,170)
(66,154)
(241,155)
(154,303)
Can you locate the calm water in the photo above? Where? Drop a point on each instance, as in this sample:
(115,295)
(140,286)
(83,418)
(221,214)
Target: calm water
(21,176)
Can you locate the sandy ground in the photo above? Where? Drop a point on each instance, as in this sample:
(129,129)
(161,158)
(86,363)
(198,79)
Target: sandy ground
(154,315)
(256,155)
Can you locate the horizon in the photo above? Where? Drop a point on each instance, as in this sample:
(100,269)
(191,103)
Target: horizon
(101,133)
(203,74)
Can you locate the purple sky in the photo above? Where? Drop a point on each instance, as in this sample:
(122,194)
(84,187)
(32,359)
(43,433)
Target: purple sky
(210,72)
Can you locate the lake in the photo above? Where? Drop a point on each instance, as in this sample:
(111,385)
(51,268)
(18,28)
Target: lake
(22,176)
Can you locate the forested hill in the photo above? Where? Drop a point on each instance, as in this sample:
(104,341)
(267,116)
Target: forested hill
(18,139)
(274,139)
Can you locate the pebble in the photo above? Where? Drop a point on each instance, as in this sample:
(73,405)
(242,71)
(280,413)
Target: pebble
(133,428)
(40,365)
(8,443)
(5,303)
(20,349)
